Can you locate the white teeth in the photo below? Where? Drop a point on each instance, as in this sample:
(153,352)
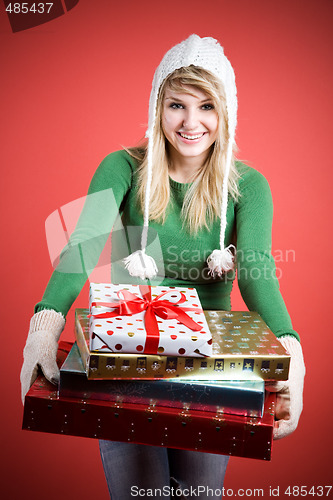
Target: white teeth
(191,137)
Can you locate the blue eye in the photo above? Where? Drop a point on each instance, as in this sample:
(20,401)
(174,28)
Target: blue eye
(207,107)
(176,105)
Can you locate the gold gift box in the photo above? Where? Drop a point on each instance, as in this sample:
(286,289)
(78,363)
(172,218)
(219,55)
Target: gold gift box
(243,349)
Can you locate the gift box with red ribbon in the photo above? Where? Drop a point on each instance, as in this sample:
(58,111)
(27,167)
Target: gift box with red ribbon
(142,319)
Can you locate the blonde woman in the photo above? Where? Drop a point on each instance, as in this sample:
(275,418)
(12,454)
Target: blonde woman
(182,212)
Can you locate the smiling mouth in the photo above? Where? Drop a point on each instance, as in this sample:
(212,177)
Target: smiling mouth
(190,137)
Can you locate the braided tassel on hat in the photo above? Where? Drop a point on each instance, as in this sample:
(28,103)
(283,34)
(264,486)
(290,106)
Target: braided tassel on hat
(139,264)
(208,54)
(223,260)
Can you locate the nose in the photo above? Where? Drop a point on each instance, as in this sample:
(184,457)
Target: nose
(190,120)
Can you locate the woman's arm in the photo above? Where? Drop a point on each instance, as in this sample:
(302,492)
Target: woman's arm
(107,190)
(255,264)
(260,290)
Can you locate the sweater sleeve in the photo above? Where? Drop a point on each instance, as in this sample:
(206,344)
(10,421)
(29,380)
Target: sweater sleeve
(107,190)
(256,270)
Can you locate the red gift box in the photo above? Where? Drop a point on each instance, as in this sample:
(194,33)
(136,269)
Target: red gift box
(249,437)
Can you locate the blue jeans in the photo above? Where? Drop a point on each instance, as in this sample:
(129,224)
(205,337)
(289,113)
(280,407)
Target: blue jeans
(139,471)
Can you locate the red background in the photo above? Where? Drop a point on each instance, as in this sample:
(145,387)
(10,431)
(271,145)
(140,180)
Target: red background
(77,88)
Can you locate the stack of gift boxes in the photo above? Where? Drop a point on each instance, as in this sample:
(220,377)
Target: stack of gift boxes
(150,366)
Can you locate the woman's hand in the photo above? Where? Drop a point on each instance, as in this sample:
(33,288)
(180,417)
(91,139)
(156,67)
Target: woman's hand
(41,348)
(289,397)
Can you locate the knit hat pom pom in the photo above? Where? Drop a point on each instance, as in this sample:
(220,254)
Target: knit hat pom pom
(140,265)
(221,261)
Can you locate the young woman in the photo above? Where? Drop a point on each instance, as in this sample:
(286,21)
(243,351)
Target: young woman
(188,212)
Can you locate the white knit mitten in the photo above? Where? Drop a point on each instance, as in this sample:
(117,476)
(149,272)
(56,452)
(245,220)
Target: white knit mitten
(289,397)
(41,348)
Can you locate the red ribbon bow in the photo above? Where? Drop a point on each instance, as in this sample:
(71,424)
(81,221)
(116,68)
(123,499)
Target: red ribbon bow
(132,304)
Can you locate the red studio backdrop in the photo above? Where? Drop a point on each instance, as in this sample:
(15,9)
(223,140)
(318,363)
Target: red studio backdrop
(76,88)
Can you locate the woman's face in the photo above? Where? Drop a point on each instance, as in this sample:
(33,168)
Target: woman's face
(190,123)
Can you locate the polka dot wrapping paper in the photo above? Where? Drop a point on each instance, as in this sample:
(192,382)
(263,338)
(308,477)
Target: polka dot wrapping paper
(173,324)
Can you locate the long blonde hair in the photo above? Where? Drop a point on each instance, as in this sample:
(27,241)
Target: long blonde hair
(202,202)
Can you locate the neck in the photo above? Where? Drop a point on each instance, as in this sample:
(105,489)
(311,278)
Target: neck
(184,169)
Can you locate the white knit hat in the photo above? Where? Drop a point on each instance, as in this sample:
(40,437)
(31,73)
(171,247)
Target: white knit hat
(208,54)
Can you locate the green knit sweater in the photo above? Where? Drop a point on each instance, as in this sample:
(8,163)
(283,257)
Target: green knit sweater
(181,257)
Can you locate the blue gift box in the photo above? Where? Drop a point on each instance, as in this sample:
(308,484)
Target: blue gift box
(245,397)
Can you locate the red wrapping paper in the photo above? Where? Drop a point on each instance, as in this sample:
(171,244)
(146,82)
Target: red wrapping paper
(45,411)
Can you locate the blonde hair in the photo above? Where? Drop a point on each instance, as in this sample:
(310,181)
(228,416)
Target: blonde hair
(202,202)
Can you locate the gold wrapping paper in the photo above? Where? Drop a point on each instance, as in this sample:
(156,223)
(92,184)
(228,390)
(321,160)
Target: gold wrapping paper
(243,349)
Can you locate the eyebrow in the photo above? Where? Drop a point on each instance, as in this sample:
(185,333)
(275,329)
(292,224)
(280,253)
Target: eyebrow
(209,99)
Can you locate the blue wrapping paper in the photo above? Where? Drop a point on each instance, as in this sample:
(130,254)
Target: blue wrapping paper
(245,397)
